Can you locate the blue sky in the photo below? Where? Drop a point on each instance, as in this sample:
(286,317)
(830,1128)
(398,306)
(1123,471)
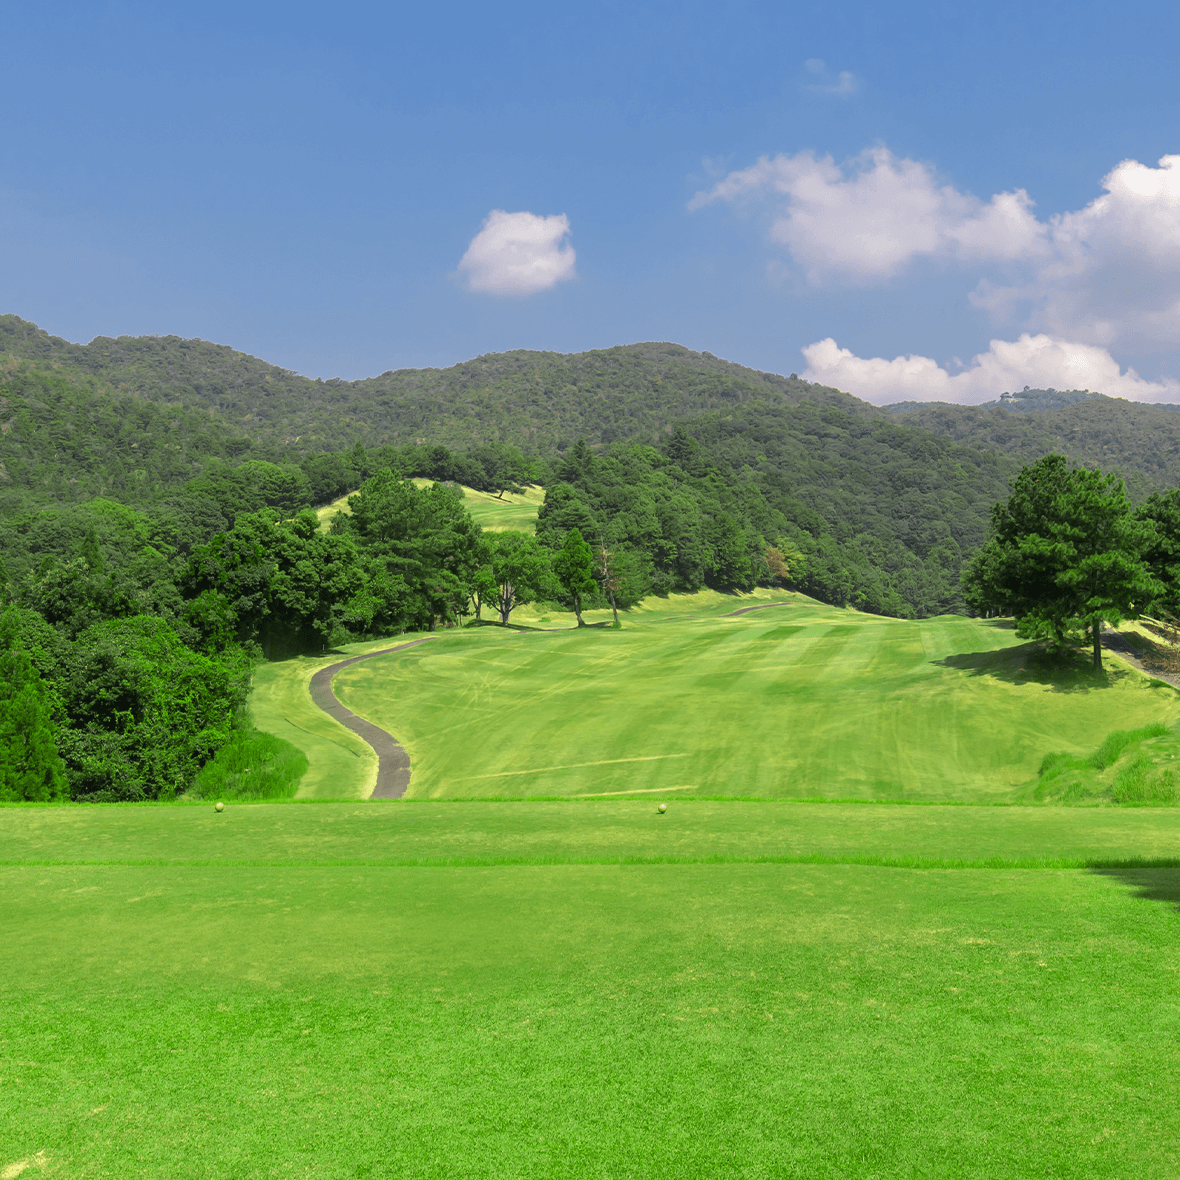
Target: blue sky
(351,188)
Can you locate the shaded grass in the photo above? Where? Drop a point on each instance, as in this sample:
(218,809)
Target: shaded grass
(252,765)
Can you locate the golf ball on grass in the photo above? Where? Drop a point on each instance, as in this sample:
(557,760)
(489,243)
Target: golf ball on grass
(221,807)
(663,808)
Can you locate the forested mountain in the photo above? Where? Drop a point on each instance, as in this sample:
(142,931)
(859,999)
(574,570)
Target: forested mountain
(542,402)
(878,516)
(1139,441)
(64,440)
(535,400)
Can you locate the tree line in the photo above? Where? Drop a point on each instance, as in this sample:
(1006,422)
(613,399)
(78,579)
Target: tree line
(126,660)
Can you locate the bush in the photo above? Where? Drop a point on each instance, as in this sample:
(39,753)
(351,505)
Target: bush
(251,765)
(1111,749)
(1139,785)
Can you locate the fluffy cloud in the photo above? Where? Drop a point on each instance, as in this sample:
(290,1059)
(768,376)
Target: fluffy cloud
(1107,274)
(1044,362)
(518,254)
(867,223)
(1111,272)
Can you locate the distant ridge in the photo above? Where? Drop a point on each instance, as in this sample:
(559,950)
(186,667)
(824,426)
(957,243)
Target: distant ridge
(544,402)
(536,400)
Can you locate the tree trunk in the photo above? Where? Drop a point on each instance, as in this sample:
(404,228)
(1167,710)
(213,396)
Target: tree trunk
(1098,646)
(614,608)
(578,611)
(507,594)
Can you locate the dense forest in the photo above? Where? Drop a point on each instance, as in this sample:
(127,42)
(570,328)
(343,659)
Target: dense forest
(534,400)
(1141,442)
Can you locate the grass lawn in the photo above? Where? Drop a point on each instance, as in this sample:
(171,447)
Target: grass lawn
(801,700)
(496,513)
(275,992)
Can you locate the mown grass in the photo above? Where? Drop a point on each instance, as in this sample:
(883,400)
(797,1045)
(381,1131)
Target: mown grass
(799,700)
(691,1019)
(252,765)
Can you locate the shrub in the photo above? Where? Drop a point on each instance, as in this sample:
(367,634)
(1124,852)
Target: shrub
(251,765)
(1139,785)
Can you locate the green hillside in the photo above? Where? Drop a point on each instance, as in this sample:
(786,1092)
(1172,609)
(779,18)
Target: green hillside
(1139,441)
(535,400)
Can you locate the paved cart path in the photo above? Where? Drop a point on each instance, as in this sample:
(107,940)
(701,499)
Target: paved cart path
(746,609)
(393,763)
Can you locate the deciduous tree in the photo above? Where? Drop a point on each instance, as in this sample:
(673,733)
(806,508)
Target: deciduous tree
(574,567)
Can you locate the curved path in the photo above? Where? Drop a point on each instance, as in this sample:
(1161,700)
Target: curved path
(393,763)
(764,606)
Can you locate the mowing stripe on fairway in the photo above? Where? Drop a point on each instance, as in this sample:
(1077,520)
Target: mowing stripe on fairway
(579,765)
(998,863)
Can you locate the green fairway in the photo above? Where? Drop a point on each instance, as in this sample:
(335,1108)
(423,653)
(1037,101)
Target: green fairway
(497,513)
(216,1000)
(798,700)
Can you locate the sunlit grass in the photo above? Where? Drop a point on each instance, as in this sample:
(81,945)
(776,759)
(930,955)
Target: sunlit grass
(245,1009)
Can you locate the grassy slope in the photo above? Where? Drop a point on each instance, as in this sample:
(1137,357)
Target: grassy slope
(563,1019)
(491,512)
(801,700)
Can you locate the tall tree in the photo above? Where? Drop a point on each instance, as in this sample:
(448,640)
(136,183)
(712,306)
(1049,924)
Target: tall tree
(608,573)
(1065,555)
(574,567)
(30,767)
(518,571)
(1162,556)
(425,535)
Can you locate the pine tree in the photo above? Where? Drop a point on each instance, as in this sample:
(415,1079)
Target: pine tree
(30,767)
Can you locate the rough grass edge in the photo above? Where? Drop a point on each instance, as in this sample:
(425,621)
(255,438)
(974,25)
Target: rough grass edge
(252,765)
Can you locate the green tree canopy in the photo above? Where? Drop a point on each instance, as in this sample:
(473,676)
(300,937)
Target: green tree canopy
(425,536)
(517,571)
(30,766)
(1066,555)
(574,567)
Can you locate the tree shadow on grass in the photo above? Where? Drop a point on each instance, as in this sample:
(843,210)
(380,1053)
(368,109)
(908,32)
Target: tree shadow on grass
(1151,884)
(1032,663)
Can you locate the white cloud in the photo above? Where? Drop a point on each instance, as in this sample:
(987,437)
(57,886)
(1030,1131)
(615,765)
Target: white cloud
(1105,275)
(844,85)
(1111,275)
(1043,362)
(518,254)
(867,223)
